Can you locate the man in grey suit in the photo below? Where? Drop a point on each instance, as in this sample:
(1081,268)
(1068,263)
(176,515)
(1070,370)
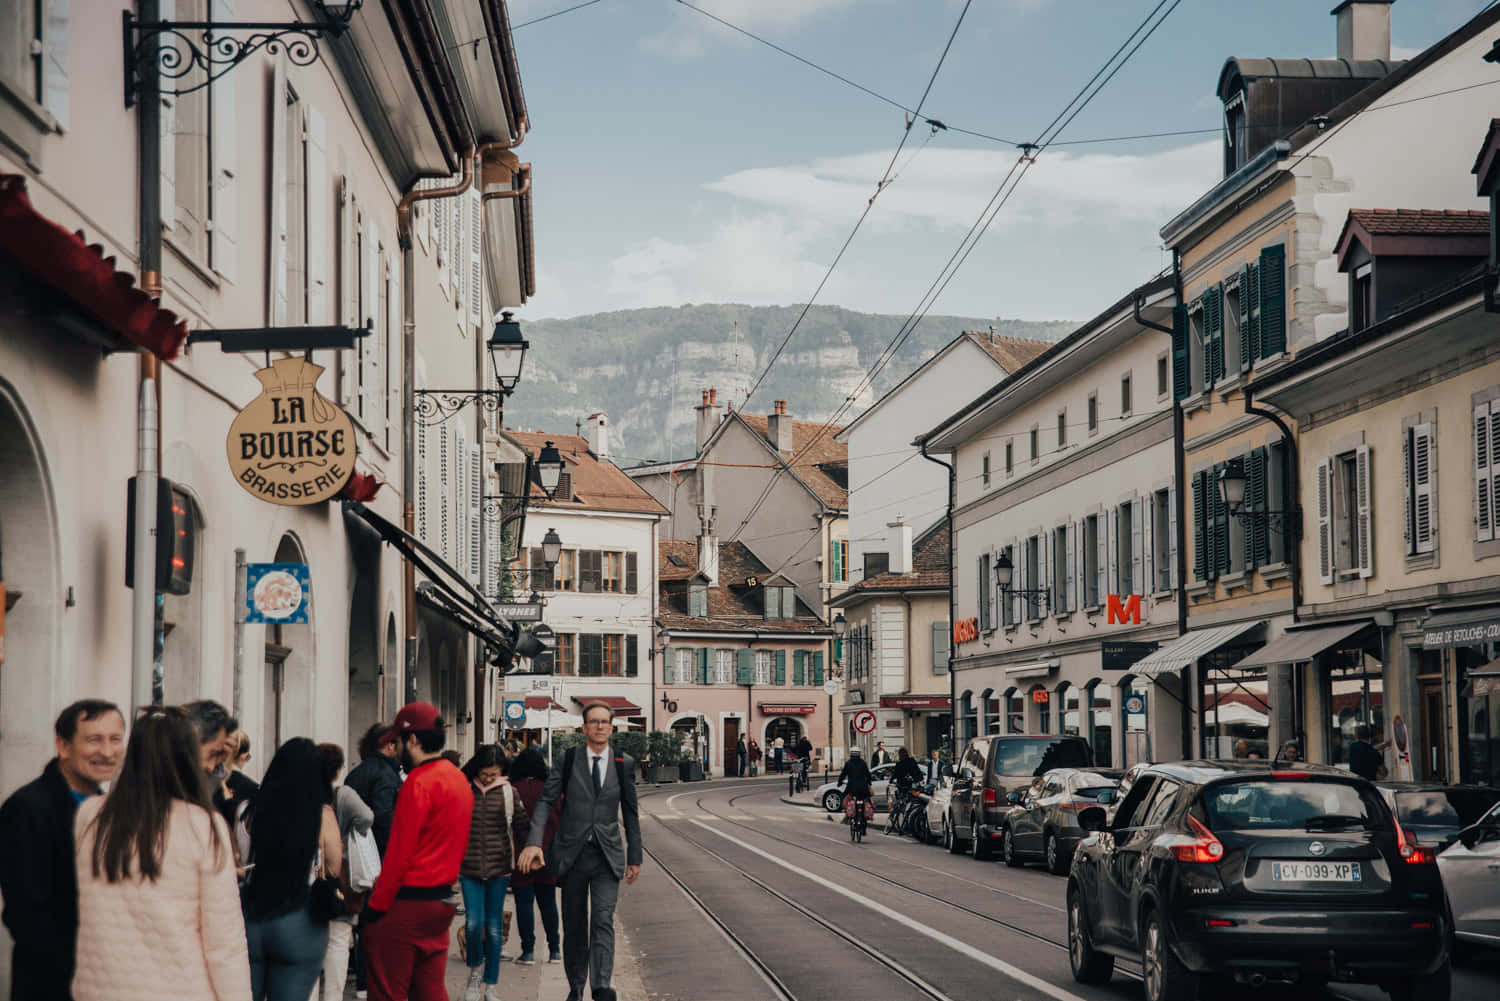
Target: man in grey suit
(597,790)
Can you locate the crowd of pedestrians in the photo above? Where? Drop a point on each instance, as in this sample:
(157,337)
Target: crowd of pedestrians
(151,867)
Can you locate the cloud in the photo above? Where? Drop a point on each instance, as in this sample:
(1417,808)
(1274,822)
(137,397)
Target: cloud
(689,34)
(1405,52)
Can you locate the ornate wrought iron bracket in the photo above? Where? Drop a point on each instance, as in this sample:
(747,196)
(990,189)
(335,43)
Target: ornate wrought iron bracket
(1284,523)
(210,49)
(438,406)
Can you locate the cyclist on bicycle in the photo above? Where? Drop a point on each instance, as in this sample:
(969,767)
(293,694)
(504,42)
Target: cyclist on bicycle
(905,777)
(855,779)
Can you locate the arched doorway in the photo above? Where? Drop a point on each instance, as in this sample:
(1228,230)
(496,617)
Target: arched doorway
(989,719)
(1041,706)
(969,725)
(788,728)
(29,569)
(1099,710)
(364,650)
(695,737)
(286,707)
(1015,711)
(1070,710)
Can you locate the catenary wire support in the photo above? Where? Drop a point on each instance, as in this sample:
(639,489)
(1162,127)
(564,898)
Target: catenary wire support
(206,50)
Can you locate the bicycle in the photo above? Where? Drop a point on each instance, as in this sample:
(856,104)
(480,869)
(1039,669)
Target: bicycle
(858,810)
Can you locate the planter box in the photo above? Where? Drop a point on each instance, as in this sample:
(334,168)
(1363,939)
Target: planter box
(691,771)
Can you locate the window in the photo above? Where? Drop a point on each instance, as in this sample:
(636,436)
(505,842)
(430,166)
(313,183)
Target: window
(1125,406)
(1036,451)
(788,602)
(1346,518)
(1162,368)
(1362,297)
(590,571)
(1160,807)
(567,571)
(1233,325)
(840,570)
(613,646)
(590,655)
(1163,540)
(1125,551)
(1236,134)
(1063,599)
(698,601)
(1042,699)
(1420,481)
(567,645)
(613,566)
(189,124)
(985,473)
(1091,596)
(1093,413)
(295,197)
(876,564)
(986,615)
(772,602)
(940,647)
(1212,315)
(1062,429)
(1486,465)
(1010,449)
(1197,345)
(765,667)
(685,668)
(21,58)
(1015,712)
(1033,566)
(723,667)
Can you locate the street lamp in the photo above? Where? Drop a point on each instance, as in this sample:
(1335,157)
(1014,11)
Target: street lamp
(549,467)
(1005,572)
(1232,492)
(1232,486)
(551,547)
(507,350)
(840,626)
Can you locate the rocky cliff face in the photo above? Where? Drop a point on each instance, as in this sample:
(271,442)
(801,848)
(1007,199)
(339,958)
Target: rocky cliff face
(646,368)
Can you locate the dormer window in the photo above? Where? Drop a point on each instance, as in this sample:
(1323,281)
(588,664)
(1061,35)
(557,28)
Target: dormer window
(1236,134)
(780,601)
(1362,297)
(698,600)
(1395,256)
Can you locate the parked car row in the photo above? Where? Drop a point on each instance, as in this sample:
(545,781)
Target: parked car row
(1244,872)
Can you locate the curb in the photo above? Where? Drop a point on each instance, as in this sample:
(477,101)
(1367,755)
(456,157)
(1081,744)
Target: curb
(789,801)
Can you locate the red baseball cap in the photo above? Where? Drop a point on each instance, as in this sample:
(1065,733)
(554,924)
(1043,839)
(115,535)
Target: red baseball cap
(414,716)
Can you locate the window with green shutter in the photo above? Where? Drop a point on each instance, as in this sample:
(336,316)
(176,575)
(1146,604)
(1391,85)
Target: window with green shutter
(632,656)
(1213,335)
(780,667)
(703,677)
(1257,539)
(1250,348)
(698,601)
(1219,547)
(799,667)
(940,648)
(1182,376)
(1272,301)
(1200,526)
(744,667)
(817,667)
(772,602)
(590,655)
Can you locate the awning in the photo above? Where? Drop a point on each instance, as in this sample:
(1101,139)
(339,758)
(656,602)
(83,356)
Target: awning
(1184,650)
(81,273)
(1298,645)
(916,702)
(446,589)
(1462,627)
(1033,670)
(620,706)
(543,702)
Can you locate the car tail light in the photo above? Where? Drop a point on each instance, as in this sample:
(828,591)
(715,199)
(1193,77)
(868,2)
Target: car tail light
(1291,775)
(1421,924)
(1220,923)
(1204,848)
(990,798)
(1411,852)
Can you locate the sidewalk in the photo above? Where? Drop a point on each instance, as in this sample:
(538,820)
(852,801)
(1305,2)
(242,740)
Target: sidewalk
(543,981)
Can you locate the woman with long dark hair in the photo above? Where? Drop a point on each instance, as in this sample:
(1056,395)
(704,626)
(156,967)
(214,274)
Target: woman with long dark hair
(535,890)
(156,883)
(287,837)
(497,834)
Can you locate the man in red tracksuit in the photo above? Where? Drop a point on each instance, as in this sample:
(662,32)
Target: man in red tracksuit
(405,930)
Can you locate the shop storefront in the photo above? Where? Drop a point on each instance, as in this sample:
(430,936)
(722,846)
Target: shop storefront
(1461,650)
(929,720)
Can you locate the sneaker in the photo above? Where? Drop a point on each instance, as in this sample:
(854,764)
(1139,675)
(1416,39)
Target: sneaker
(526,958)
(471,992)
(554,956)
(492,992)
(362,994)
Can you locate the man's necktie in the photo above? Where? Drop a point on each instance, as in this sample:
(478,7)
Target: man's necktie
(598,778)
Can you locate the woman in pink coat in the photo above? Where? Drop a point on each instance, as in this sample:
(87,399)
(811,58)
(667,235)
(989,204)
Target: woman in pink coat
(158,904)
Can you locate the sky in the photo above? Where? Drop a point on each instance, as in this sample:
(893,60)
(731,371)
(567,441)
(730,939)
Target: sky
(677,161)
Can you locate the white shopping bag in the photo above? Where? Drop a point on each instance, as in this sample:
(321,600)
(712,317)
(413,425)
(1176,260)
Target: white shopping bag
(364,861)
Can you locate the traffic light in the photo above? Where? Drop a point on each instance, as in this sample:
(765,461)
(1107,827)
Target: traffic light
(176,537)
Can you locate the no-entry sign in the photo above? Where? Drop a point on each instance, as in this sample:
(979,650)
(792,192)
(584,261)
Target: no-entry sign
(864,721)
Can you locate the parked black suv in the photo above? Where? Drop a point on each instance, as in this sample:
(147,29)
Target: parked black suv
(990,769)
(1246,871)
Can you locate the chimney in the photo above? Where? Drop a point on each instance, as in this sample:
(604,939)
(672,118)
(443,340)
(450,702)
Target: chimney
(779,429)
(1364,28)
(708,417)
(708,543)
(598,435)
(898,544)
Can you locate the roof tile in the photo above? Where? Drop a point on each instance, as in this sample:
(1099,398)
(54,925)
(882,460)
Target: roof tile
(1422,222)
(1010,352)
(732,606)
(824,466)
(598,484)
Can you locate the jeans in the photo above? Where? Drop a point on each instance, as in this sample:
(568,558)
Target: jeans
(546,899)
(484,910)
(286,956)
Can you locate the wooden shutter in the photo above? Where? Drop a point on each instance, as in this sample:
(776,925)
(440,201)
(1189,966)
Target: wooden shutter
(424,531)
(1223,557)
(799,667)
(631,573)
(1272,301)
(1147,582)
(1250,333)
(320,220)
(167,174)
(1182,376)
(744,667)
(459,500)
(390,354)
(817,667)
(940,636)
(1421,483)
(770,602)
(1172,536)
(1137,547)
(55,52)
(476,515)
(1069,582)
(982,590)
(590,655)
(1101,568)
(1257,537)
(591,571)
(445,482)
(1325,521)
(348,292)
(276,299)
(1200,527)
(780,667)
(1365,550)
(371,383)
(632,656)
(1213,335)
(1044,576)
(494,554)
(1113,580)
(476,256)
(223,250)
(669,666)
(703,665)
(1484,517)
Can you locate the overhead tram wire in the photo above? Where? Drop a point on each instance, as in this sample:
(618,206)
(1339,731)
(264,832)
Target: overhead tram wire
(879,187)
(986,217)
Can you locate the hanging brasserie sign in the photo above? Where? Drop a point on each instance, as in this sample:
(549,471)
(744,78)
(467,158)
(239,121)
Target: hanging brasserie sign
(291,445)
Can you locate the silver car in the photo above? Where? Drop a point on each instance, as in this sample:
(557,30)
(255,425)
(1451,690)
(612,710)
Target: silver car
(1471,878)
(831,794)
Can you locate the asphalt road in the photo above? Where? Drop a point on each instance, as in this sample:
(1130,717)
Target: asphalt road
(763,900)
